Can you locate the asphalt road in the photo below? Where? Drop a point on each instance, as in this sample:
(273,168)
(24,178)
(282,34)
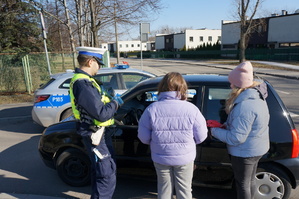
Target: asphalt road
(23,174)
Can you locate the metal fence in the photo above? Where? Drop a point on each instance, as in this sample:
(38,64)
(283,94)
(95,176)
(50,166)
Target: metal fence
(288,54)
(25,73)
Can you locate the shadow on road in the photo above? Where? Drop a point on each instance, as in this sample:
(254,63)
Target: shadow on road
(22,170)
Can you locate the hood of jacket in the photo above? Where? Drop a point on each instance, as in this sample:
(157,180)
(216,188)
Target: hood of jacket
(169,95)
(259,91)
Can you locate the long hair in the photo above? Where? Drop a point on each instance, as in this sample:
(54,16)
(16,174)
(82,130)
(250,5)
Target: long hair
(174,81)
(236,91)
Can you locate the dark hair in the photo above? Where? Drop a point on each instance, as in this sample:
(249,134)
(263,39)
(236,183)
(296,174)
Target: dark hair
(174,81)
(83,59)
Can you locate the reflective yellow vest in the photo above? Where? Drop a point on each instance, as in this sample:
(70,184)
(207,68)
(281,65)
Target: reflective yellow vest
(105,99)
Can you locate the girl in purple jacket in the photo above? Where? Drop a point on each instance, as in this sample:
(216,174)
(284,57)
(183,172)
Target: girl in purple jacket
(172,127)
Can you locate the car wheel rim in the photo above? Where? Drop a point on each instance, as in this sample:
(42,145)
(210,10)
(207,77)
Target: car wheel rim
(75,168)
(268,186)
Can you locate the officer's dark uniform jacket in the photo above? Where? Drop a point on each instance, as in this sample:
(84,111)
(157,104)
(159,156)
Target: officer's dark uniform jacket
(88,102)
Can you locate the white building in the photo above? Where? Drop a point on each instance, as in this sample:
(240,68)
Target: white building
(284,31)
(125,46)
(230,35)
(189,39)
(277,31)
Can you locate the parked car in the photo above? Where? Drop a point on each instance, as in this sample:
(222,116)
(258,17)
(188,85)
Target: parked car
(278,171)
(52,100)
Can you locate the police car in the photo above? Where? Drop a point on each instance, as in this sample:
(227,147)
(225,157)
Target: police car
(52,100)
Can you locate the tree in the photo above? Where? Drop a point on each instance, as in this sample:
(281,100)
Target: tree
(106,14)
(246,12)
(19,27)
(85,22)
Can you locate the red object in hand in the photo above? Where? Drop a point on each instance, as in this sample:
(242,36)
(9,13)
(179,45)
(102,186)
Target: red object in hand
(213,124)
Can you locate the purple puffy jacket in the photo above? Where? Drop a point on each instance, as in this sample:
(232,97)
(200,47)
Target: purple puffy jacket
(172,127)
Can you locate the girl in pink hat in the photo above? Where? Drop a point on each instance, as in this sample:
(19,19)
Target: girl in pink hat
(247,127)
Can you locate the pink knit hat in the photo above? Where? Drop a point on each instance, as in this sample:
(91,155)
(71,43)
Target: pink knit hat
(242,75)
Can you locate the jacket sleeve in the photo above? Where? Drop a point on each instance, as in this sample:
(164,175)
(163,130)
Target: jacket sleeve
(239,127)
(144,128)
(88,97)
(200,131)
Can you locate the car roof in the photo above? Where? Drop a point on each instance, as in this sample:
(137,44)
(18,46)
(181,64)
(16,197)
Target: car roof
(191,79)
(70,73)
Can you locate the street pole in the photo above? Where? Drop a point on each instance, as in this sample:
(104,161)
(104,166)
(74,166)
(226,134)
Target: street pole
(116,35)
(45,42)
(144,31)
(141,62)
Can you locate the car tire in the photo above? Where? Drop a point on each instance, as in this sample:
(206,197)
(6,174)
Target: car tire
(272,182)
(67,113)
(73,167)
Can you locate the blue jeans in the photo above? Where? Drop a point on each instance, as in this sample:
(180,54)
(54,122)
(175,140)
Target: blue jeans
(244,173)
(179,177)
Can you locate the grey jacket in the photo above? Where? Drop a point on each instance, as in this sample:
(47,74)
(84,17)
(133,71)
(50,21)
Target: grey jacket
(247,125)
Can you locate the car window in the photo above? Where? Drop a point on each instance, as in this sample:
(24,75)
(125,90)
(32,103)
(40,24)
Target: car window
(108,80)
(131,79)
(139,103)
(152,96)
(215,103)
(47,84)
(278,118)
(66,84)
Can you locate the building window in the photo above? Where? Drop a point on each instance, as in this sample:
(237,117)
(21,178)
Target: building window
(282,45)
(191,39)
(120,45)
(132,45)
(127,45)
(201,38)
(138,45)
(294,44)
(219,38)
(101,46)
(167,41)
(210,38)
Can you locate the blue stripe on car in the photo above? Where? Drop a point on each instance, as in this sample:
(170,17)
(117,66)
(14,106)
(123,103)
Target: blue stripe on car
(54,101)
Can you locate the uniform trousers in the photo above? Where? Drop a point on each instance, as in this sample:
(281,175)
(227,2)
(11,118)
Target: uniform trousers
(103,171)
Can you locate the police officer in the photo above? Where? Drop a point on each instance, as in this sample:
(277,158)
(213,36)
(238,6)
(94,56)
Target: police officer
(94,109)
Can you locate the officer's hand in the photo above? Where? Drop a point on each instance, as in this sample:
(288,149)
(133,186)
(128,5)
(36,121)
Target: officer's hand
(118,100)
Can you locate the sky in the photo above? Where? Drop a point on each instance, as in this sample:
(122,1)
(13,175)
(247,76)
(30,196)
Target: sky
(208,14)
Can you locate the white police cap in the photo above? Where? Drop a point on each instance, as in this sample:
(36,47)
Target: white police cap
(97,53)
